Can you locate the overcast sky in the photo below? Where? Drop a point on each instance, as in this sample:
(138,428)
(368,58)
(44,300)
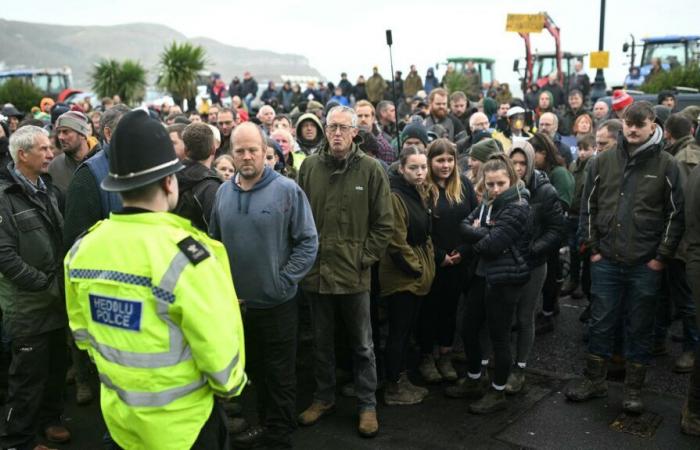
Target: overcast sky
(351,38)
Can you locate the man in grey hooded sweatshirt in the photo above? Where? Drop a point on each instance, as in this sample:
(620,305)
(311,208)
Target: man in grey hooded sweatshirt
(266,225)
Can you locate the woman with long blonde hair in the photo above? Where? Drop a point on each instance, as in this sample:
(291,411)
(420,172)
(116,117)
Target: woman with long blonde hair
(452,198)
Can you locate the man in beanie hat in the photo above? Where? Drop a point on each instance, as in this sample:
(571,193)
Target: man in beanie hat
(151,298)
(72,130)
(620,101)
(415,134)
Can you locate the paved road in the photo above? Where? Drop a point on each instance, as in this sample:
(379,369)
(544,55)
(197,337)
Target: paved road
(540,418)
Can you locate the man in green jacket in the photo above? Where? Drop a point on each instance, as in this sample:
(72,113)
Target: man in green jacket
(350,199)
(632,219)
(376,86)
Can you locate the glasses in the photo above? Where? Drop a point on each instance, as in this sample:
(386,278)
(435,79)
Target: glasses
(335,127)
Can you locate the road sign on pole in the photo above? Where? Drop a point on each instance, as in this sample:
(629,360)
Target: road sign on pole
(525,23)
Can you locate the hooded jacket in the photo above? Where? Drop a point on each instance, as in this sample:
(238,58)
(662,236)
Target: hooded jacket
(546,227)
(687,152)
(633,203)
(502,225)
(197,185)
(409,262)
(309,147)
(269,235)
(351,204)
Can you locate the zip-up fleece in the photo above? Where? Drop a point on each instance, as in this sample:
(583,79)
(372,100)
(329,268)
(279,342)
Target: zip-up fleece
(632,209)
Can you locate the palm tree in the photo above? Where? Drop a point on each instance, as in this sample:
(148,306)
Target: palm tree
(132,82)
(126,79)
(179,64)
(105,77)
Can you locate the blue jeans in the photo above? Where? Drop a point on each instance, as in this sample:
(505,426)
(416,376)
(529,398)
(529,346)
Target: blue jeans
(354,311)
(631,291)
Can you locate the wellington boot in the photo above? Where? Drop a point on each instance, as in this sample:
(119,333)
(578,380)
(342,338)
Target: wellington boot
(593,385)
(634,382)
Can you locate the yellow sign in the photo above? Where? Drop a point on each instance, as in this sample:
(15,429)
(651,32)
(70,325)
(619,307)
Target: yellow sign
(525,23)
(600,60)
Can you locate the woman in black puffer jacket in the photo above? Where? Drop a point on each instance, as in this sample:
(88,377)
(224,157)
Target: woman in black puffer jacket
(546,229)
(497,232)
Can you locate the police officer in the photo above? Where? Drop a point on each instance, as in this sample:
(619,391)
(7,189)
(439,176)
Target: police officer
(151,299)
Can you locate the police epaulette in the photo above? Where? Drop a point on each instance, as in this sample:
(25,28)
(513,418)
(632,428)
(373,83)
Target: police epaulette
(193,250)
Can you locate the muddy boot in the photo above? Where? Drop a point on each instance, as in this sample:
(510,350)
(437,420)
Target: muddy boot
(446,369)
(428,370)
(634,381)
(690,419)
(397,394)
(593,385)
(406,382)
(493,401)
(516,380)
(468,388)
(569,287)
(685,362)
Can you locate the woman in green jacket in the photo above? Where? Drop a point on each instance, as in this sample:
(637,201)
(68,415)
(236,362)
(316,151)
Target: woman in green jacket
(406,271)
(547,159)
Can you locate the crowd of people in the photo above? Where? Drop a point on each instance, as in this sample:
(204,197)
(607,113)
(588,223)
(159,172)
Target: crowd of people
(190,251)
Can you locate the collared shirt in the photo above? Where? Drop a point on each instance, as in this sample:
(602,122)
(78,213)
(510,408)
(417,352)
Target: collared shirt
(33,188)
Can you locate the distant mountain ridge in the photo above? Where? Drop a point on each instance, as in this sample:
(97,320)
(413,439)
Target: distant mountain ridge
(36,45)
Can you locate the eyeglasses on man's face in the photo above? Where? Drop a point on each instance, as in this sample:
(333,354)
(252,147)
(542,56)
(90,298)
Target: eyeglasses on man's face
(333,127)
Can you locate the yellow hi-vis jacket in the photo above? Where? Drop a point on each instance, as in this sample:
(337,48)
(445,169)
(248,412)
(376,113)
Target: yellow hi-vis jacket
(151,299)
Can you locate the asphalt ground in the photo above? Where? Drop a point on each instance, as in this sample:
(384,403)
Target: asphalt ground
(539,418)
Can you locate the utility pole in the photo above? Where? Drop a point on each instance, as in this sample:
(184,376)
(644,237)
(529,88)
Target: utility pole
(598,88)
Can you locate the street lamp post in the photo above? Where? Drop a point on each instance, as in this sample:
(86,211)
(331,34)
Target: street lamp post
(598,88)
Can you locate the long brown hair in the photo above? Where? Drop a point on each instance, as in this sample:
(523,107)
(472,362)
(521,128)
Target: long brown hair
(453,186)
(541,142)
(406,152)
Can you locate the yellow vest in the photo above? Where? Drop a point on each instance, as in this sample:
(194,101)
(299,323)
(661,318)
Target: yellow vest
(151,299)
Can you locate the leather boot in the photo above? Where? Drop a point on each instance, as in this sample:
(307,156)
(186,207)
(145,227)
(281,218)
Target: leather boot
(593,385)
(690,419)
(634,381)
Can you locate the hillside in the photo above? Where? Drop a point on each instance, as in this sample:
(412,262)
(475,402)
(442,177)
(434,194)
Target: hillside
(28,45)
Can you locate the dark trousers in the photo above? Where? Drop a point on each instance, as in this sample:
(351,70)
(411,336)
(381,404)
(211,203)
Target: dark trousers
(213,436)
(495,306)
(354,311)
(694,387)
(271,349)
(36,384)
(676,291)
(552,284)
(437,319)
(626,295)
(572,239)
(403,310)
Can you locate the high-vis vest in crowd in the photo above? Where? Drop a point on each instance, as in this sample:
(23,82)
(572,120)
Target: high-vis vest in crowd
(151,299)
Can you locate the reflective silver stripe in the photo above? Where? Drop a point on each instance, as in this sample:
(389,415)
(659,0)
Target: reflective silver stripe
(74,249)
(179,350)
(222,376)
(162,398)
(177,265)
(236,389)
(81,335)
